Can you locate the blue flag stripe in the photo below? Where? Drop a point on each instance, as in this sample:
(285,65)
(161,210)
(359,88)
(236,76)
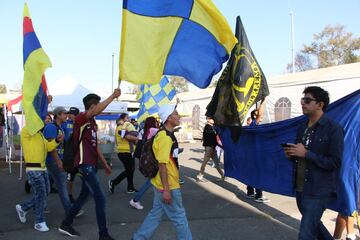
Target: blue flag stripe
(31,43)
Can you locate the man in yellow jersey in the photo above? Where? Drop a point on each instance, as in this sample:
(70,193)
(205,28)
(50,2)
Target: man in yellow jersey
(167,195)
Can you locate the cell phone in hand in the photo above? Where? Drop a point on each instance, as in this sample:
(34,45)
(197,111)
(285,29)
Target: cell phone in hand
(285,145)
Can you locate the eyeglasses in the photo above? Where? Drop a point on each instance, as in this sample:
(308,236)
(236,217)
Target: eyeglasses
(307,100)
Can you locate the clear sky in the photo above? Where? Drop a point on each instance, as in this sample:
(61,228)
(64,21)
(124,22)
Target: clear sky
(81,36)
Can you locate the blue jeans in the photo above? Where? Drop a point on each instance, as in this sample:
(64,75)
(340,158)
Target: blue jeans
(174,211)
(90,185)
(60,182)
(312,209)
(142,190)
(39,182)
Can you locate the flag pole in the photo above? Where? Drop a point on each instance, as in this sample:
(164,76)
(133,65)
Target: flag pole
(292,41)
(112,73)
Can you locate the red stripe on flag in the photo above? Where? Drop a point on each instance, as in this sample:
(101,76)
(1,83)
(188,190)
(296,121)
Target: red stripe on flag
(44,85)
(14,102)
(27,25)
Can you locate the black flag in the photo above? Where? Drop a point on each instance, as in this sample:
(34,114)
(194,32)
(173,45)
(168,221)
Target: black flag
(240,86)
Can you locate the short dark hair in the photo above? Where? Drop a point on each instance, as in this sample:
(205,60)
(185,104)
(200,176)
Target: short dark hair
(90,99)
(319,94)
(123,116)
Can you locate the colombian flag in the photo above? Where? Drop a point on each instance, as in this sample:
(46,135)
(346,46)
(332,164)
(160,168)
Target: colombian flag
(188,38)
(34,87)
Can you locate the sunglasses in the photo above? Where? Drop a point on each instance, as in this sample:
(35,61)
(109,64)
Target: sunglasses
(307,100)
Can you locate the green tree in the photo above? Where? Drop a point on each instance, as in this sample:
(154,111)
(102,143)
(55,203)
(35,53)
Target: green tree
(332,46)
(179,83)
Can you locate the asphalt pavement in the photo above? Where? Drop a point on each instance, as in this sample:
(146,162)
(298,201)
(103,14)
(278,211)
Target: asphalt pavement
(215,210)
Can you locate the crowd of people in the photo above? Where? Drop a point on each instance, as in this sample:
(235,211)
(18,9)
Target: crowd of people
(316,153)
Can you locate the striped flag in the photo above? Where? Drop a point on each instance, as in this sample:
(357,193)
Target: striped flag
(34,87)
(153,96)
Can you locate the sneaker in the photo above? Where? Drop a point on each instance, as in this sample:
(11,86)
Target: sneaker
(41,227)
(250,195)
(262,200)
(111,186)
(136,205)
(106,237)
(200,178)
(68,230)
(21,213)
(132,190)
(221,179)
(181,181)
(81,212)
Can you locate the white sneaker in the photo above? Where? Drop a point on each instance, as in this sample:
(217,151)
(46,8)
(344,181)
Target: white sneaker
(21,213)
(41,227)
(200,178)
(80,213)
(136,205)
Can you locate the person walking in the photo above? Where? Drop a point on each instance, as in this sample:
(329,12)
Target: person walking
(35,148)
(86,158)
(317,155)
(210,143)
(126,137)
(166,186)
(151,127)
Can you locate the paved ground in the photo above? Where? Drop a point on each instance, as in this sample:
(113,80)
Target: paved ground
(216,210)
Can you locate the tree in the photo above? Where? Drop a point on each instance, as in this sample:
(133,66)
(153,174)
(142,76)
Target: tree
(302,63)
(332,46)
(179,83)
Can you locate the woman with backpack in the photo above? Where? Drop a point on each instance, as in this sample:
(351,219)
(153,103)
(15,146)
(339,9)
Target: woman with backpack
(151,127)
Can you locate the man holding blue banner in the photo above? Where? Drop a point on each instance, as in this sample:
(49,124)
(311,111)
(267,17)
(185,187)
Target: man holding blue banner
(317,155)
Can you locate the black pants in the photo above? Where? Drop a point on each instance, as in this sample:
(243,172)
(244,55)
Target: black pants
(129,164)
(258,192)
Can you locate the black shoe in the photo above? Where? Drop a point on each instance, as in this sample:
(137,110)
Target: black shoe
(132,190)
(68,230)
(111,186)
(27,187)
(106,237)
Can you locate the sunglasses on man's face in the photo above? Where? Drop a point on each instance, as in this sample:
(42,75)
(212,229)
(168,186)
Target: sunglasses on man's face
(307,100)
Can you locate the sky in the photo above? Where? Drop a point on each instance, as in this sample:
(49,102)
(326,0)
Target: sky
(81,36)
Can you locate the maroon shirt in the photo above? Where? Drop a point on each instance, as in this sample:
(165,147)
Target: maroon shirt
(87,151)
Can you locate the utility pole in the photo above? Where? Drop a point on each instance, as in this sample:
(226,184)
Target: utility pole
(292,41)
(112,74)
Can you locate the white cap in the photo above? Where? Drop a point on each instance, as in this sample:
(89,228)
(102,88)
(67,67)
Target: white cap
(165,111)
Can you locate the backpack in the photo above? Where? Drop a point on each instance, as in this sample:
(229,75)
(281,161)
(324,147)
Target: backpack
(148,165)
(69,153)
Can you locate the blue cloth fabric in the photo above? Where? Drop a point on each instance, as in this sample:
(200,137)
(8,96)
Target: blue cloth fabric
(257,159)
(59,178)
(174,211)
(51,131)
(40,185)
(142,190)
(90,186)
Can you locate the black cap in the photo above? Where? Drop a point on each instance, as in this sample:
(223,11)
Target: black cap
(91,97)
(74,110)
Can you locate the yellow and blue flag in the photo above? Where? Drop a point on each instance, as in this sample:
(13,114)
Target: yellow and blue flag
(153,96)
(35,102)
(188,38)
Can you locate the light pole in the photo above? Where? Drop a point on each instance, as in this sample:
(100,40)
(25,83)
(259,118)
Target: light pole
(112,73)
(292,41)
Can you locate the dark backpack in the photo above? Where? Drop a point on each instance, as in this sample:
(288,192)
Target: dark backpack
(70,151)
(148,165)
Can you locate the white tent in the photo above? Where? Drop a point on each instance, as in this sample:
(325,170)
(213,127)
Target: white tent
(69,93)
(285,92)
